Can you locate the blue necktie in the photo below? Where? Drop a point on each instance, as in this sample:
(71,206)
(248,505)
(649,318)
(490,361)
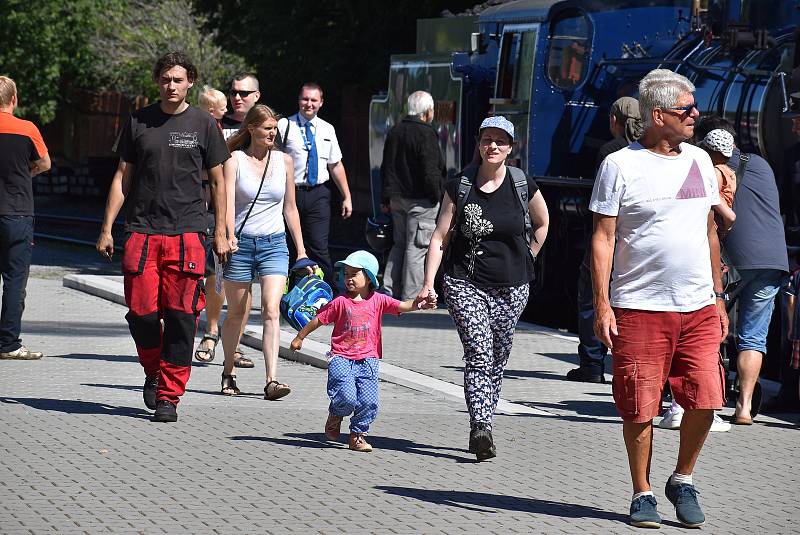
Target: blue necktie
(313,158)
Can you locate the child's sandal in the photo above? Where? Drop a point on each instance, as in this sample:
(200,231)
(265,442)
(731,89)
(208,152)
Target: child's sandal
(229,387)
(275,390)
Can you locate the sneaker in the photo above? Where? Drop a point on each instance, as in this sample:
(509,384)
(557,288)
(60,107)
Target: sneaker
(671,419)
(21,353)
(166,411)
(684,498)
(359,443)
(333,427)
(644,513)
(149,391)
(583,375)
(481,442)
(719,425)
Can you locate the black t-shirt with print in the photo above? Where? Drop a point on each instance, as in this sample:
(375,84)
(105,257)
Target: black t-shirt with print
(488,248)
(169,153)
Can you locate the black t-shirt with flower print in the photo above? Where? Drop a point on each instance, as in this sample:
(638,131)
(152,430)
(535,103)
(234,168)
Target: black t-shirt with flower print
(489,248)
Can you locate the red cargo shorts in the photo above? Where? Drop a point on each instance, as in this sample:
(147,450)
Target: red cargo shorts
(653,347)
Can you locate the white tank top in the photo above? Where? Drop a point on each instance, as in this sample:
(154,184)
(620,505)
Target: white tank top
(267,215)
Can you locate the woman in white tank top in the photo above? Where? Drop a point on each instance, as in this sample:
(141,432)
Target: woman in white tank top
(260,188)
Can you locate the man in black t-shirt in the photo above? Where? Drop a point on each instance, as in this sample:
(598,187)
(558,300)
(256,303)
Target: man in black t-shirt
(163,150)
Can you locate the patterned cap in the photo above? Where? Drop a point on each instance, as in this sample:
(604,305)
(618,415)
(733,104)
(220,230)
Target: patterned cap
(498,121)
(719,140)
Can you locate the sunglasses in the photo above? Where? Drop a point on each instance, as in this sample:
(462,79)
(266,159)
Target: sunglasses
(241,93)
(685,109)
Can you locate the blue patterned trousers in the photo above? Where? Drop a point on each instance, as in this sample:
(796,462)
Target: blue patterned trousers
(353,389)
(485,319)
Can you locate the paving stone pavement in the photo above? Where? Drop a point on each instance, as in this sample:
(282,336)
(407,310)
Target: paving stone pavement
(79,455)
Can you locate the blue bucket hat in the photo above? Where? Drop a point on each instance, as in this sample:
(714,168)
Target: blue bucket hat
(498,121)
(362,260)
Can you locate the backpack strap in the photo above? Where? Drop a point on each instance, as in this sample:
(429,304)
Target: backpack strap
(743,161)
(521,187)
(465,184)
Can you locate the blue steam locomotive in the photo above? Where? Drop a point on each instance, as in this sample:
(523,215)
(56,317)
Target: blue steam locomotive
(554,68)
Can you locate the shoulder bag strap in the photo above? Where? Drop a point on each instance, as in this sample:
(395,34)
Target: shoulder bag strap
(261,185)
(743,160)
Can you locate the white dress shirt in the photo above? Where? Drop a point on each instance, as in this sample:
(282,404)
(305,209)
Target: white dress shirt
(327,146)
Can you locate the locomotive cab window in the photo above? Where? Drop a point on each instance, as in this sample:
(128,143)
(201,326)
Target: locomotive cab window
(570,46)
(516,64)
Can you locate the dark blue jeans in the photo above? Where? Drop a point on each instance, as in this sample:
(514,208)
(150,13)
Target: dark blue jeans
(314,206)
(590,350)
(16,247)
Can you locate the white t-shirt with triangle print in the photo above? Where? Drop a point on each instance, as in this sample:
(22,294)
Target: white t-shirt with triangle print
(662,257)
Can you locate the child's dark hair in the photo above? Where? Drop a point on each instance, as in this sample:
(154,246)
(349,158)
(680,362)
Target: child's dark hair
(172,59)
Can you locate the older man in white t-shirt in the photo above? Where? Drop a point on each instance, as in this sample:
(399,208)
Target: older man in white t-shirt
(664,316)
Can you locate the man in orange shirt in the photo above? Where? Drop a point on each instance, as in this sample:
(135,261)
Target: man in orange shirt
(23,154)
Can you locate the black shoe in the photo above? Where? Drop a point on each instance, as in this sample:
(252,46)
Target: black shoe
(149,391)
(481,443)
(582,375)
(166,411)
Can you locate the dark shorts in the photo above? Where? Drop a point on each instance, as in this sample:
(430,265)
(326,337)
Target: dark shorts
(211,260)
(654,347)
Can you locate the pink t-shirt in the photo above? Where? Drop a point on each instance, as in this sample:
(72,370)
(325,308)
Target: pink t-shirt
(357,324)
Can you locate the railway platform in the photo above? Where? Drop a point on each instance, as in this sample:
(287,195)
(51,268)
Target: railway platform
(79,454)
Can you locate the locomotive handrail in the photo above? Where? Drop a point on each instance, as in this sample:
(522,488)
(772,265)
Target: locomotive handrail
(693,65)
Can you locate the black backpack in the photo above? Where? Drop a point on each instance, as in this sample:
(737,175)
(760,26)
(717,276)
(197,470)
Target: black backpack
(467,182)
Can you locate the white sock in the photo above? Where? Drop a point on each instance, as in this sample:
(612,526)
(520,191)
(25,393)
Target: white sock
(677,479)
(640,494)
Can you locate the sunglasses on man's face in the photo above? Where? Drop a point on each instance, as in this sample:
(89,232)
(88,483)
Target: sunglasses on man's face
(685,109)
(242,93)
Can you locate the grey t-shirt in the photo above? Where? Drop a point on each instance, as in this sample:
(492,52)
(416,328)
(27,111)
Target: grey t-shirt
(757,239)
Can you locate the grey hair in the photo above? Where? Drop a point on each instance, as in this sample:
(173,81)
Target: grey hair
(419,102)
(660,88)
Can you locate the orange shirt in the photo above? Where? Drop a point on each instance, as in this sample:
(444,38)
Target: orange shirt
(727,188)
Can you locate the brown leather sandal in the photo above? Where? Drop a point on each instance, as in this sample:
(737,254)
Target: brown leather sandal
(240,361)
(229,387)
(275,390)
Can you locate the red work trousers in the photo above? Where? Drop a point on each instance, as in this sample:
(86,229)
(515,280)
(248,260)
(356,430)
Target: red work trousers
(164,292)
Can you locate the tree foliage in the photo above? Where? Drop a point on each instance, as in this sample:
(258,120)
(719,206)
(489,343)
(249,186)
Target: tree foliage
(44,48)
(127,46)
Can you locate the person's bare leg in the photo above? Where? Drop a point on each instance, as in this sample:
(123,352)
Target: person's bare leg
(247,308)
(214,302)
(694,430)
(237,301)
(271,292)
(639,444)
(748,366)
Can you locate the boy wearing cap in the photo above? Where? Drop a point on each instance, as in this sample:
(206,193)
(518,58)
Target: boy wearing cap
(356,345)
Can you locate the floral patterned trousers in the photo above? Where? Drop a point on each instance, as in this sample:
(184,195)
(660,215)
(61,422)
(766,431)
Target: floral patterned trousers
(485,319)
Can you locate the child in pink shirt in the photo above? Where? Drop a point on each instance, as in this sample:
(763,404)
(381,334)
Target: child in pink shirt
(356,345)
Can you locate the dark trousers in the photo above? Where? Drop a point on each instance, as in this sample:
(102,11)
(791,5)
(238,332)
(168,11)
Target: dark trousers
(591,351)
(164,283)
(16,248)
(314,206)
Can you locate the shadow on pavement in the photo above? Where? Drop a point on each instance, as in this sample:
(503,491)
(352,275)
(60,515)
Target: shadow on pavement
(483,502)
(318,441)
(71,406)
(82,329)
(597,419)
(520,374)
(581,407)
(94,356)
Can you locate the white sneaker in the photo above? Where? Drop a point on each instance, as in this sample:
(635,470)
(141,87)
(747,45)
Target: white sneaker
(671,419)
(719,424)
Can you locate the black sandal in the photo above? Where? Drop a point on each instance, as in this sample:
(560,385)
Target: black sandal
(229,383)
(278,391)
(240,361)
(204,354)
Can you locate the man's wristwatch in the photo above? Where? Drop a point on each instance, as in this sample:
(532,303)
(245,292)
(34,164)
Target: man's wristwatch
(725,296)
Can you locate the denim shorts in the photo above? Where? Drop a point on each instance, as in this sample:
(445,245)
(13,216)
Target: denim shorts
(258,255)
(756,301)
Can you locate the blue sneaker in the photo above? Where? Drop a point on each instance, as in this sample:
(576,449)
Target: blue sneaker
(644,513)
(684,498)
